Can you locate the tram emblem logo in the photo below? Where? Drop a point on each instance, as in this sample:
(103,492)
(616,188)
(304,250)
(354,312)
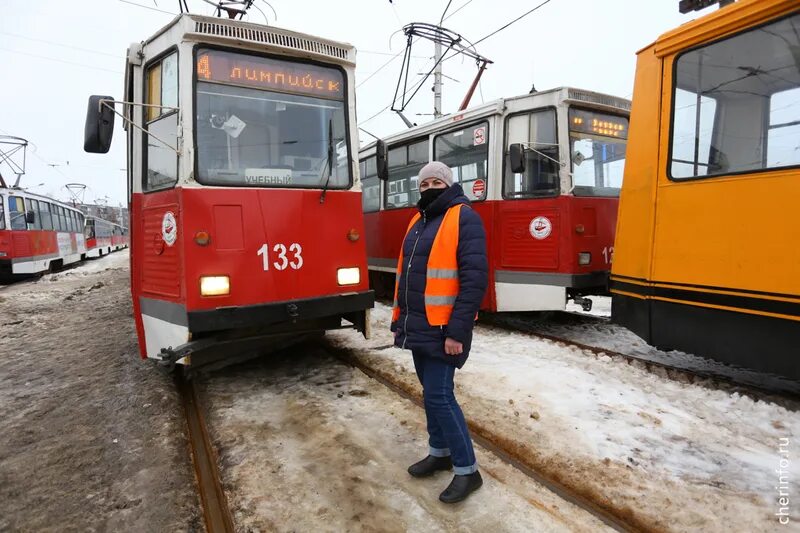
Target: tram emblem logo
(169,228)
(540,228)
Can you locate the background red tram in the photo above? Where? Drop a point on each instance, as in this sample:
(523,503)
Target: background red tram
(103,237)
(244,193)
(544,172)
(37,234)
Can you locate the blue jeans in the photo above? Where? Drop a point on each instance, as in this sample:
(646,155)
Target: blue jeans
(447,430)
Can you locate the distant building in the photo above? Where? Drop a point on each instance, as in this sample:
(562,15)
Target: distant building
(118,215)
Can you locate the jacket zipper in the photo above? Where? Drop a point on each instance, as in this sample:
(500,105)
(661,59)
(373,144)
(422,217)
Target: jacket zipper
(410,259)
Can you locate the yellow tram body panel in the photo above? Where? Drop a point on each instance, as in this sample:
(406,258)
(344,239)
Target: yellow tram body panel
(711,264)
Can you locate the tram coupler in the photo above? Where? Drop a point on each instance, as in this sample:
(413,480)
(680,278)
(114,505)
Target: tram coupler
(585,303)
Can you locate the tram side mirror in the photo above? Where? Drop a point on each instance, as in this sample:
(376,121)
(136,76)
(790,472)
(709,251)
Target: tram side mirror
(382,160)
(30,217)
(99,127)
(516,156)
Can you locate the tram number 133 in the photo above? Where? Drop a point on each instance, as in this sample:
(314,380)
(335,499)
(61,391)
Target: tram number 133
(284,257)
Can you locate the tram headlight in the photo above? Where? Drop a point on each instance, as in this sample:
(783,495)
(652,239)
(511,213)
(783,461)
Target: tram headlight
(348,276)
(584,258)
(215,285)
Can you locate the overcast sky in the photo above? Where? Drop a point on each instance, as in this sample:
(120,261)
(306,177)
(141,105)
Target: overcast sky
(55,53)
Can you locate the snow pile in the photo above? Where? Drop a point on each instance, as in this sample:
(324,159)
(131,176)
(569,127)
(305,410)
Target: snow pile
(671,454)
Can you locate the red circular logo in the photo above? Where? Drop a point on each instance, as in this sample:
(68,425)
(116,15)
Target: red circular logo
(478,188)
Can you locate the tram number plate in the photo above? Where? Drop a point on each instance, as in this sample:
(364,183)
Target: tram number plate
(608,254)
(282,257)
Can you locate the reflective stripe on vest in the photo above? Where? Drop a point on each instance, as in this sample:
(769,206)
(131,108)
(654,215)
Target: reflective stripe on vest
(441,285)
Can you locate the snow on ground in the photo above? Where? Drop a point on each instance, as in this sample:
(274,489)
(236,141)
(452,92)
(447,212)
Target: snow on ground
(675,456)
(615,338)
(306,443)
(92,437)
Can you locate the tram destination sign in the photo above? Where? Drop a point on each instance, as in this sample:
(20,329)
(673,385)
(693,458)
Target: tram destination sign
(268,73)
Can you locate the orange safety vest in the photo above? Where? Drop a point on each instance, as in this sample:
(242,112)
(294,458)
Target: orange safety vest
(441,287)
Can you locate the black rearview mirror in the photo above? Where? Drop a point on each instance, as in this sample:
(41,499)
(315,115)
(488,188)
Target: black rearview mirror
(516,156)
(30,217)
(382,160)
(99,129)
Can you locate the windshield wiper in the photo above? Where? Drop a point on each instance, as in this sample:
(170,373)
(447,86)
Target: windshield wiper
(329,162)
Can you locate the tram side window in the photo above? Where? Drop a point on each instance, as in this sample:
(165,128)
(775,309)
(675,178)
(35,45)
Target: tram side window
(16,213)
(370,186)
(44,214)
(73,225)
(405,162)
(2,213)
(162,90)
(537,131)
(60,217)
(466,152)
(736,104)
(37,221)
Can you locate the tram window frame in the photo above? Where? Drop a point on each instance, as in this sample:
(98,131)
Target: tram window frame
(548,193)
(15,226)
(486,145)
(408,180)
(34,207)
(47,222)
(714,154)
(156,118)
(365,166)
(2,212)
(352,156)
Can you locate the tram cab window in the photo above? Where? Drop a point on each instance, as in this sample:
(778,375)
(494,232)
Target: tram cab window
(162,90)
(537,131)
(16,213)
(265,122)
(466,152)
(736,104)
(370,185)
(597,144)
(88,230)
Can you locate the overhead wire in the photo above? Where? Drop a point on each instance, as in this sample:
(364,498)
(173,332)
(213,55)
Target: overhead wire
(56,60)
(63,45)
(148,7)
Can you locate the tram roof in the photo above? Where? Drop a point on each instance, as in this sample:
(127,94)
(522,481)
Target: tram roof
(569,94)
(720,23)
(27,194)
(207,29)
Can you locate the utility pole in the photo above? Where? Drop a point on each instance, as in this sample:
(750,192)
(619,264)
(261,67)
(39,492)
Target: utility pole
(437,80)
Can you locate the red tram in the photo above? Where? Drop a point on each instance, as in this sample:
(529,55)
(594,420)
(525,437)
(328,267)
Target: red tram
(543,171)
(104,237)
(244,194)
(37,234)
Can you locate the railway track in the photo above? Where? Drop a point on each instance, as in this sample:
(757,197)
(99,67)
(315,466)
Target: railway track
(765,388)
(216,513)
(496,444)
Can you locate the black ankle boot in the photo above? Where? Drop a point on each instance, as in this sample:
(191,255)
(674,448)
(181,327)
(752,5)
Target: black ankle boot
(461,487)
(429,465)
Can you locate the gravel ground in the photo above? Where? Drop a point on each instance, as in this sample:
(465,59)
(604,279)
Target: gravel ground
(93,437)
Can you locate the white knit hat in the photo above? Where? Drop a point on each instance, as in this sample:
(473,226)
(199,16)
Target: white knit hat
(436,169)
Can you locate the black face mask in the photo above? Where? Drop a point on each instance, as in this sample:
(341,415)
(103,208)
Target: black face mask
(427,197)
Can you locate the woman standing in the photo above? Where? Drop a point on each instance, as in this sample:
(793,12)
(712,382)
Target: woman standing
(442,274)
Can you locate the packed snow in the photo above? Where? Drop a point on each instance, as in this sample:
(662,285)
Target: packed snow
(306,443)
(675,456)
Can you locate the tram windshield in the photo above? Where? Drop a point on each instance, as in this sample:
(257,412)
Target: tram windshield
(270,123)
(597,148)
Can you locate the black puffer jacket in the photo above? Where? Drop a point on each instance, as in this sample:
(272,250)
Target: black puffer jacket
(413,330)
